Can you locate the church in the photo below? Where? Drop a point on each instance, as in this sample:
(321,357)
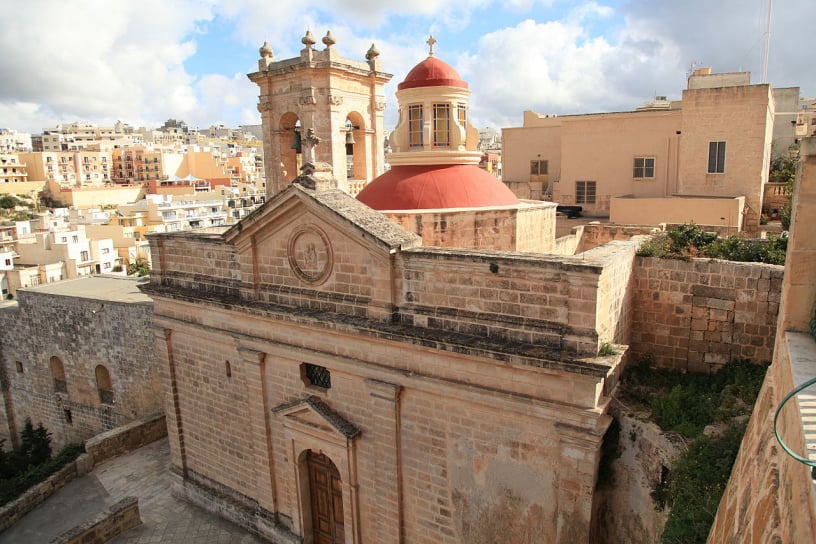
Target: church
(410,365)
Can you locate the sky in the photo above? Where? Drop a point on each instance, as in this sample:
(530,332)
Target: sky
(148,61)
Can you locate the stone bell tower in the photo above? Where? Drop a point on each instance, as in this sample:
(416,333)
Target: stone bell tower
(341,99)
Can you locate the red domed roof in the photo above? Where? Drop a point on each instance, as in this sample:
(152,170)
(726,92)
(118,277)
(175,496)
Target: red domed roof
(432,72)
(422,187)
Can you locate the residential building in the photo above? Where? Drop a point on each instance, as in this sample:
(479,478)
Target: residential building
(704,158)
(180,213)
(12,169)
(79,255)
(12,141)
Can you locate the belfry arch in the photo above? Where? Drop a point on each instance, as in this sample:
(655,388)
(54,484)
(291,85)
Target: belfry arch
(323,91)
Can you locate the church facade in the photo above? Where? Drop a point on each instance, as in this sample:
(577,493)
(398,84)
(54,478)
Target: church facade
(337,373)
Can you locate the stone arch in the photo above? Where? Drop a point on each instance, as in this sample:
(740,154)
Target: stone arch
(357,155)
(104,385)
(322,498)
(289,128)
(58,375)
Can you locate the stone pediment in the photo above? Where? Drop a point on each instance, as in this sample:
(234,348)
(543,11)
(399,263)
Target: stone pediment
(322,204)
(312,414)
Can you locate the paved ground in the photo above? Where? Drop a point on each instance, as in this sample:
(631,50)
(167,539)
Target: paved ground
(142,473)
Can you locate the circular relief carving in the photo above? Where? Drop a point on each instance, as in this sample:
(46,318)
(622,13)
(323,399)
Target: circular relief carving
(310,254)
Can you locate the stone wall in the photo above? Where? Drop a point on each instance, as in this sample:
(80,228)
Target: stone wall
(770,497)
(696,315)
(36,495)
(107,525)
(624,511)
(82,333)
(528,227)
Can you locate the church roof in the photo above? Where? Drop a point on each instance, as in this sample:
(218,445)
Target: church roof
(432,72)
(412,187)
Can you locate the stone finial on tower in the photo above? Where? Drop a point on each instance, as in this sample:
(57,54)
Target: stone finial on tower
(328,39)
(372,53)
(308,143)
(266,56)
(431,41)
(371,56)
(308,40)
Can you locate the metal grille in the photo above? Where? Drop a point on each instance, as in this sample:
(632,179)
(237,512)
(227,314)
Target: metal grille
(105,397)
(318,375)
(60,386)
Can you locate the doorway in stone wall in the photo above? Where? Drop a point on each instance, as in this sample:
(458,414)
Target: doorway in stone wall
(326,500)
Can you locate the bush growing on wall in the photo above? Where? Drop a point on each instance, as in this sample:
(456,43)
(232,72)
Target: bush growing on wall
(687,241)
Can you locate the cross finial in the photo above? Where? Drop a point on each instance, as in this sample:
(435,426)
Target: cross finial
(431,41)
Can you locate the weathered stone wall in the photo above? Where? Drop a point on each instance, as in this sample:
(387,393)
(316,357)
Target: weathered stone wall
(105,526)
(528,227)
(624,511)
(698,314)
(594,235)
(476,446)
(12,512)
(543,300)
(82,333)
(770,497)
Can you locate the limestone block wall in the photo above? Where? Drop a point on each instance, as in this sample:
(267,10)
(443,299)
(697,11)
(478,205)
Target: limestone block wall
(479,448)
(548,301)
(770,497)
(529,227)
(82,333)
(614,292)
(698,314)
(593,235)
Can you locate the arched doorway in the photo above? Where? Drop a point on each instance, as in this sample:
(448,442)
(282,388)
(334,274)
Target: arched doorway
(326,500)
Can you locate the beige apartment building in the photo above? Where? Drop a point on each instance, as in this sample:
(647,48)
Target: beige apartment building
(704,158)
(12,169)
(69,169)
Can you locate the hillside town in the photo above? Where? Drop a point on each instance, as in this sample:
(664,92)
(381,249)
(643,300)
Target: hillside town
(333,331)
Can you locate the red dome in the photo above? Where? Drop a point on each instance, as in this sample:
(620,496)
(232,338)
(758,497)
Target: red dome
(432,72)
(422,187)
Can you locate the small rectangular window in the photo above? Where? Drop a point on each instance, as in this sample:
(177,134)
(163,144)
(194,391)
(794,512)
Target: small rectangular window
(585,192)
(316,375)
(643,167)
(716,157)
(539,168)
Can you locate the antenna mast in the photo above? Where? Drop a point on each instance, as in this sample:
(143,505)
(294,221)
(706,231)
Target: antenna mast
(767,44)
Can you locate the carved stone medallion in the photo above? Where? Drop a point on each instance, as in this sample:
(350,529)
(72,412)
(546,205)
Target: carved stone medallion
(310,254)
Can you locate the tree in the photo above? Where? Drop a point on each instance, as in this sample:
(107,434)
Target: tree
(8,202)
(140,268)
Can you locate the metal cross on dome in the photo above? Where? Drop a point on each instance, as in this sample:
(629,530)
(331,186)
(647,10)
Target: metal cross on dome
(431,41)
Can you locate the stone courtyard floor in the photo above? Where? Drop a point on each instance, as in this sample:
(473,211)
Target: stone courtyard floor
(142,473)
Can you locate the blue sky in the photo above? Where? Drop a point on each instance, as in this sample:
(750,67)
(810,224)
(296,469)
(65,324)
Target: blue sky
(144,62)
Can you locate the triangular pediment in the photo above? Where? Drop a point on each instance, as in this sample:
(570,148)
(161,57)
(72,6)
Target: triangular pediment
(299,204)
(313,413)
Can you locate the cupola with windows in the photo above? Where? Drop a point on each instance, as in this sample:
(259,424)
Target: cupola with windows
(434,159)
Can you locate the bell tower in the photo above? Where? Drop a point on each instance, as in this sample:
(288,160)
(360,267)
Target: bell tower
(340,99)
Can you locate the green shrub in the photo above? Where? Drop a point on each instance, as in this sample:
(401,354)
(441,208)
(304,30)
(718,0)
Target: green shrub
(15,486)
(685,241)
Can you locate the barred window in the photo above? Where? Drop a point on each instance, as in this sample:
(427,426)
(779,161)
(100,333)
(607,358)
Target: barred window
(316,375)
